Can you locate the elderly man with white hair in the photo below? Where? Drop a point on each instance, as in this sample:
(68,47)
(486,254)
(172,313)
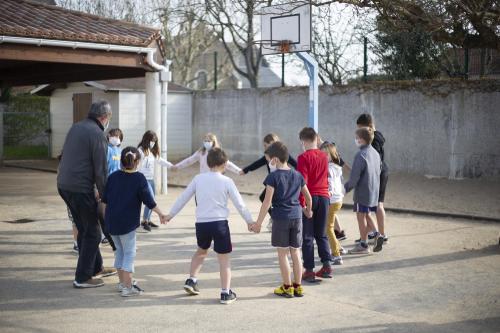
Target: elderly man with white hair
(80,182)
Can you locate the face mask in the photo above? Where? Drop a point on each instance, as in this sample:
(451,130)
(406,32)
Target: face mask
(152,144)
(207,144)
(114,141)
(272,167)
(357,143)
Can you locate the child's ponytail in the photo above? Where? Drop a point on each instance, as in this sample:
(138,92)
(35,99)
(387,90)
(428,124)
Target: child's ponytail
(130,158)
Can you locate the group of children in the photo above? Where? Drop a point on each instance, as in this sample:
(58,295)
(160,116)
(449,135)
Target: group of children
(303,204)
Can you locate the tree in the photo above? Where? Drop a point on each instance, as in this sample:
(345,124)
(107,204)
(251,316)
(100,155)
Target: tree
(407,54)
(462,23)
(234,24)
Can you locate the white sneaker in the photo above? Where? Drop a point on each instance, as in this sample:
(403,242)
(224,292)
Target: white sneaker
(132,291)
(343,251)
(359,249)
(120,286)
(337,260)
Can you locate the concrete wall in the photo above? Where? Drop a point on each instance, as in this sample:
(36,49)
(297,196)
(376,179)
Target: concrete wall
(434,128)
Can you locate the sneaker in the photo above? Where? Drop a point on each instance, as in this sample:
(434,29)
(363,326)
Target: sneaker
(343,251)
(359,249)
(370,240)
(325,272)
(270,225)
(90,283)
(340,235)
(152,225)
(281,291)
(372,234)
(310,277)
(191,287)
(337,261)
(379,241)
(298,291)
(121,286)
(145,226)
(75,249)
(228,298)
(106,272)
(131,292)
(386,239)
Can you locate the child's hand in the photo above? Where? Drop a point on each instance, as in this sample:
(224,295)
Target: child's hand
(164,219)
(242,173)
(256,227)
(250,226)
(307,212)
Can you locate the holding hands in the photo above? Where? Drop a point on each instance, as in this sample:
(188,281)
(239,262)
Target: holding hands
(254,227)
(164,219)
(307,212)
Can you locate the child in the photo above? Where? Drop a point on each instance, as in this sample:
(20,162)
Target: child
(366,120)
(149,151)
(336,195)
(125,192)
(268,140)
(209,142)
(212,191)
(115,138)
(365,179)
(313,165)
(283,187)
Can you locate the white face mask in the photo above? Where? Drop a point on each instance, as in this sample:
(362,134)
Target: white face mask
(357,143)
(272,167)
(115,141)
(152,144)
(208,145)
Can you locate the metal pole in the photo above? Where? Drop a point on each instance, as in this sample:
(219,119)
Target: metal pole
(365,59)
(312,71)
(215,70)
(1,134)
(164,78)
(466,63)
(282,69)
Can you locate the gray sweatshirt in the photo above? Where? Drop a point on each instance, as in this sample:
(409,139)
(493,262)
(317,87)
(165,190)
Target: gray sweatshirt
(83,161)
(365,177)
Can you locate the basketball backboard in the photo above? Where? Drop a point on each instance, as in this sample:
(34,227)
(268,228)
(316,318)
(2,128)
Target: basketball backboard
(288,24)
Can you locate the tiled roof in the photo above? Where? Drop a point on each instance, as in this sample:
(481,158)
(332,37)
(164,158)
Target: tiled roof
(24,18)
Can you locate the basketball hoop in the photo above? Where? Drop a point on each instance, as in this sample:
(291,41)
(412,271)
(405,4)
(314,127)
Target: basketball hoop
(284,46)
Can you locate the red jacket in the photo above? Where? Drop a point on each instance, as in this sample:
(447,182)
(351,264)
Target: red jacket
(313,165)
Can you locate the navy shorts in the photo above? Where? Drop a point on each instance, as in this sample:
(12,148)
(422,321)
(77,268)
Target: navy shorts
(359,208)
(218,232)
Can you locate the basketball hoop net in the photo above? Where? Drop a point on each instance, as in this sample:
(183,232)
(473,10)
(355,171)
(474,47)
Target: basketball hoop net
(284,46)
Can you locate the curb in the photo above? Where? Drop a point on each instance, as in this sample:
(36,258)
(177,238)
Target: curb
(344,206)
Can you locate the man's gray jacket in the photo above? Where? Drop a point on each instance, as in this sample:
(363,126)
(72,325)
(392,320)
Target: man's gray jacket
(83,162)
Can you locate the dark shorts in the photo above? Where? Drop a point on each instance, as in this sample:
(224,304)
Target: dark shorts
(218,232)
(287,233)
(358,208)
(384,177)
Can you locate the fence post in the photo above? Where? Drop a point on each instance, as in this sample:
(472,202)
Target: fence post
(282,69)
(215,70)
(466,63)
(1,134)
(365,59)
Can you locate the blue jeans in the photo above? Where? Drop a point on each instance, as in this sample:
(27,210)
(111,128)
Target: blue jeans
(146,215)
(125,251)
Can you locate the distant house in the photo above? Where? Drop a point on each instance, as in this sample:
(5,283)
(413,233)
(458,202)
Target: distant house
(128,101)
(227,77)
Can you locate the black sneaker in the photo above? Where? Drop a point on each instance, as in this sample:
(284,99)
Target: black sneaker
(152,225)
(340,235)
(228,298)
(379,241)
(146,226)
(191,287)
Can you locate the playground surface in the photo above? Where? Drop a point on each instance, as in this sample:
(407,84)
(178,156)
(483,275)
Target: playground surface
(434,275)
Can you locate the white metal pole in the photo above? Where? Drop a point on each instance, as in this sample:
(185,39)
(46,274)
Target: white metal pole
(153,109)
(312,71)
(164,78)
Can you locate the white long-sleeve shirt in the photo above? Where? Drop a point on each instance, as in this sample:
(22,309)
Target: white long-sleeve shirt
(147,164)
(201,157)
(335,186)
(212,191)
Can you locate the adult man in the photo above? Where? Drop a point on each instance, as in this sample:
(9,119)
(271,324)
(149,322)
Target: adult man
(80,182)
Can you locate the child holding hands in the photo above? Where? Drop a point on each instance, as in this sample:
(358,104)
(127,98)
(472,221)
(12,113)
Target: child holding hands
(283,187)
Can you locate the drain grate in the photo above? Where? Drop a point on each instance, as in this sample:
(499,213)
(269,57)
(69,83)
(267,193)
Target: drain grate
(21,221)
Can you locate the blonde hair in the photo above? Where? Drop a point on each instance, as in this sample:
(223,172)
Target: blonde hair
(212,138)
(331,150)
(271,138)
